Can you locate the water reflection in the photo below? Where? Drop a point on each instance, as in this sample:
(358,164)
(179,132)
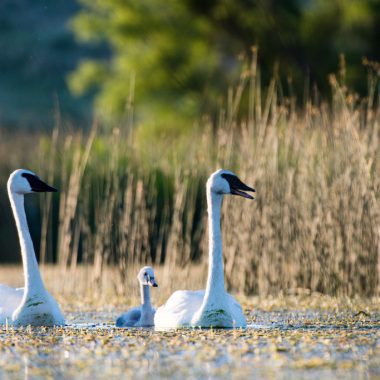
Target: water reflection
(26,361)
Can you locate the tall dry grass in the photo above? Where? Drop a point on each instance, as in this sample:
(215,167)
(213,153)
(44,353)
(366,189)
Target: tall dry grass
(315,223)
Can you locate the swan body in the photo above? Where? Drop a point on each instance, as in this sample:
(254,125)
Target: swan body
(212,307)
(142,316)
(33,304)
(184,309)
(10,299)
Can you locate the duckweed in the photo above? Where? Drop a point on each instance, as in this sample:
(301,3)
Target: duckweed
(281,341)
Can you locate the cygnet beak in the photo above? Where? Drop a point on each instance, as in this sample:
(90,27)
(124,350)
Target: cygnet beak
(152,282)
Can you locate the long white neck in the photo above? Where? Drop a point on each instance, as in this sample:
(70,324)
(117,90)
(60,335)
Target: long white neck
(215,291)
(33,280)
(145,297)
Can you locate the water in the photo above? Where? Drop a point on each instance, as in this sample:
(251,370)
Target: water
(277,344)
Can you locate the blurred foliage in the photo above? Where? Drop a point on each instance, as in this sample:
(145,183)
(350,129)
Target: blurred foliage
(314,224)
(38,51)
(180,56)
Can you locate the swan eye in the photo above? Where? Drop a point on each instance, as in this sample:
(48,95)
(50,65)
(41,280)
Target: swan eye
(145,274)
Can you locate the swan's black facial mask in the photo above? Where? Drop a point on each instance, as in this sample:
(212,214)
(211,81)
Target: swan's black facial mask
(237,187)
(37,185)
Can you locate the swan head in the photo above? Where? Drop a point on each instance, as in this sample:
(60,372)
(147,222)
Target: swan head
(146,277)
(226,182)
(23,181)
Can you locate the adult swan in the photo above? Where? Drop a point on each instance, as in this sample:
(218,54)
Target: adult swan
(32,305)
(212,307)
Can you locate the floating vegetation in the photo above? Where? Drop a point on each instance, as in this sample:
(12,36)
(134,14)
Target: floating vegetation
(279,341)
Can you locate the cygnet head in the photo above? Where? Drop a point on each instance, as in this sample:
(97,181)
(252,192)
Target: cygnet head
(226,182)
(23,181)
(146,277)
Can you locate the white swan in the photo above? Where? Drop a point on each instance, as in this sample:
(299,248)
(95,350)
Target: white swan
(142,316)
(31,305)
(212,307)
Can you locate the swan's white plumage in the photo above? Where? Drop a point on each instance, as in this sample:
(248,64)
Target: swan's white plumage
(212,307)
(40,309)
(32,305)
(183,305)
(179,309)
(10,299)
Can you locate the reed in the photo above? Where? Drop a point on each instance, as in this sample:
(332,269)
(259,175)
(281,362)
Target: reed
(315,223)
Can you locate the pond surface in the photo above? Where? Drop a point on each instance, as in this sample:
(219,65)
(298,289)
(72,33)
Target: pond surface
(277,344)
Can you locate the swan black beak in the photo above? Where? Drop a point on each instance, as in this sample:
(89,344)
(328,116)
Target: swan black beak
(42,187)
(237,187)
(37,185)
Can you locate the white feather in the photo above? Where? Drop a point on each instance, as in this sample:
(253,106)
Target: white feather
(179,309)
(33,304)
(10,299)
(212,307)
